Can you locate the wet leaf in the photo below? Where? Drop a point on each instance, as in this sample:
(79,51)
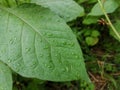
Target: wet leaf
(37,43)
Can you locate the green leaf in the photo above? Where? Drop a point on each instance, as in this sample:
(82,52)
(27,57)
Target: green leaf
(90,20)
(37,43)
(117,27)
(5,77)
(109,5)
(91,41)
(95,33)
(67,9)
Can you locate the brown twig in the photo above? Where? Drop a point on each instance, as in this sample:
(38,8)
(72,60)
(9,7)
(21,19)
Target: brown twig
(96,80)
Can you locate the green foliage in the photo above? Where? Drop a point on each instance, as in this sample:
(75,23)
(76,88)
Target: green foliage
(91,36)
(90,20)
(109,6)
(36,42)
(42,42)
(5,77)
(67,9)
(91,41)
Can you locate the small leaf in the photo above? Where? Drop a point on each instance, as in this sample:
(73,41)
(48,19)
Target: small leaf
(5,77)
(67,9)
(91,41)
(95,33)
(109,5)
(37,43)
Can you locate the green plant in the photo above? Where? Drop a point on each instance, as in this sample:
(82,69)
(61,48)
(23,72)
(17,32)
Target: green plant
(36,43)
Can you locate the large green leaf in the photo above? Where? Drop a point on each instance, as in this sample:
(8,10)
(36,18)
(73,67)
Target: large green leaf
(66,9)
(39,44)
(109,6)
(5,77)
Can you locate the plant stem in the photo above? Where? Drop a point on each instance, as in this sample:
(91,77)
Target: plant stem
(111,25)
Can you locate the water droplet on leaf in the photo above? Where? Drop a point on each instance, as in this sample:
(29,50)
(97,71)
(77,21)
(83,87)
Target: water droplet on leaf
(76,56)
(46,47)
(64,43)
(27,50)
(67,69)
(41,55)
(11,41)
(50,34)
(44,33)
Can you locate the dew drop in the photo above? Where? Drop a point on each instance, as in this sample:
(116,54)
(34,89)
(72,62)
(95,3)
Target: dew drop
(58,20)
(76,56)
(41,55)
(77,75)
(56,55)
(45,65)
(33,65)
(49,66)
(50,34)
(67,69)
(73,53)
(9,60)
(46,47)
(64,43)
(71,44)
(53,40)
(44,33)
(64,70)
(18,65)
(11,41)
(15,38)
(28,49)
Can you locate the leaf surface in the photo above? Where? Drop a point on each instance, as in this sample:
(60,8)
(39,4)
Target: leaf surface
(5,77)
(109,6)
(39,44)
(67,9)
